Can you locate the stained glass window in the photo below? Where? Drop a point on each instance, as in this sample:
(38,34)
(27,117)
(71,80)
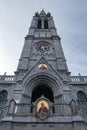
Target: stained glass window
(82,100)
(3,98)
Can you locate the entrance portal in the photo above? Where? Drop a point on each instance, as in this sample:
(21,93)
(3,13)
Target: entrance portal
(42,90)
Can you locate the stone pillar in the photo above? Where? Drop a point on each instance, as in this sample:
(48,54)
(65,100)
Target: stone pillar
(11,107)
(42,23)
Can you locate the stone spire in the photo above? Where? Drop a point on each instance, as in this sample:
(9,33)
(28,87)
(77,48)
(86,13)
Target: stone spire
(42,41)
(42,13)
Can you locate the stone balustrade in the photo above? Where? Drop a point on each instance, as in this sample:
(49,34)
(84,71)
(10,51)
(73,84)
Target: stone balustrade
(28,109)
(79,79)
(7,78)
(74,79)
(55,110)
(15,109)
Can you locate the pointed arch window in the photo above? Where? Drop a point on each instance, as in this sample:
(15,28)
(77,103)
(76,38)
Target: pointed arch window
(45,24)
(3,98)
(82,100)
(39,25)
(81,96)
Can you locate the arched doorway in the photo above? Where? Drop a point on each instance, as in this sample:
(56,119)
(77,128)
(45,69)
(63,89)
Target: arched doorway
(42,85)
(42,90)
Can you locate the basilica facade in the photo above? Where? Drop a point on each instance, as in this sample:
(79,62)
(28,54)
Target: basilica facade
(42,94)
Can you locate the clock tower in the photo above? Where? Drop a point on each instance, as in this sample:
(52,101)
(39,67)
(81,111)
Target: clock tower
(43,95)
(42,68)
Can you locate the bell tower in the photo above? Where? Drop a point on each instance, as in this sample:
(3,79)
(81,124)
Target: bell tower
(42,41)
(42,94)
(42,65)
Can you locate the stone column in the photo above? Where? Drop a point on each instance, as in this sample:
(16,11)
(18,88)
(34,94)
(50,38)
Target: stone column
(42,23)
(11,107)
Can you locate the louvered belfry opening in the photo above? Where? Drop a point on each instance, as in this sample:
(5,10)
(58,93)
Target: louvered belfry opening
(39,25)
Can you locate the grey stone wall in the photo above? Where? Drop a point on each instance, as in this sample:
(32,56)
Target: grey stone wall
(43,126)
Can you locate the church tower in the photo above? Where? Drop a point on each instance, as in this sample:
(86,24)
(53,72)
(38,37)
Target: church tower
(42,65)
(43,92)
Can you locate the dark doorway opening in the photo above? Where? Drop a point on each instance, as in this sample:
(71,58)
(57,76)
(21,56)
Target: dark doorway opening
(42,90)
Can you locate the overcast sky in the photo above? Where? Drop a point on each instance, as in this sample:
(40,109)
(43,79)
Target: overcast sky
(70,18)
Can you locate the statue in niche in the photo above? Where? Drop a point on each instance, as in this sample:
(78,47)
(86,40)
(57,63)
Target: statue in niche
(42,109)
(74,107)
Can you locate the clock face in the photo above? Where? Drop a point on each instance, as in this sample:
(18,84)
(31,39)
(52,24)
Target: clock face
(42,47)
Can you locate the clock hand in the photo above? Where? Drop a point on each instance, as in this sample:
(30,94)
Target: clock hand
(43,48)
